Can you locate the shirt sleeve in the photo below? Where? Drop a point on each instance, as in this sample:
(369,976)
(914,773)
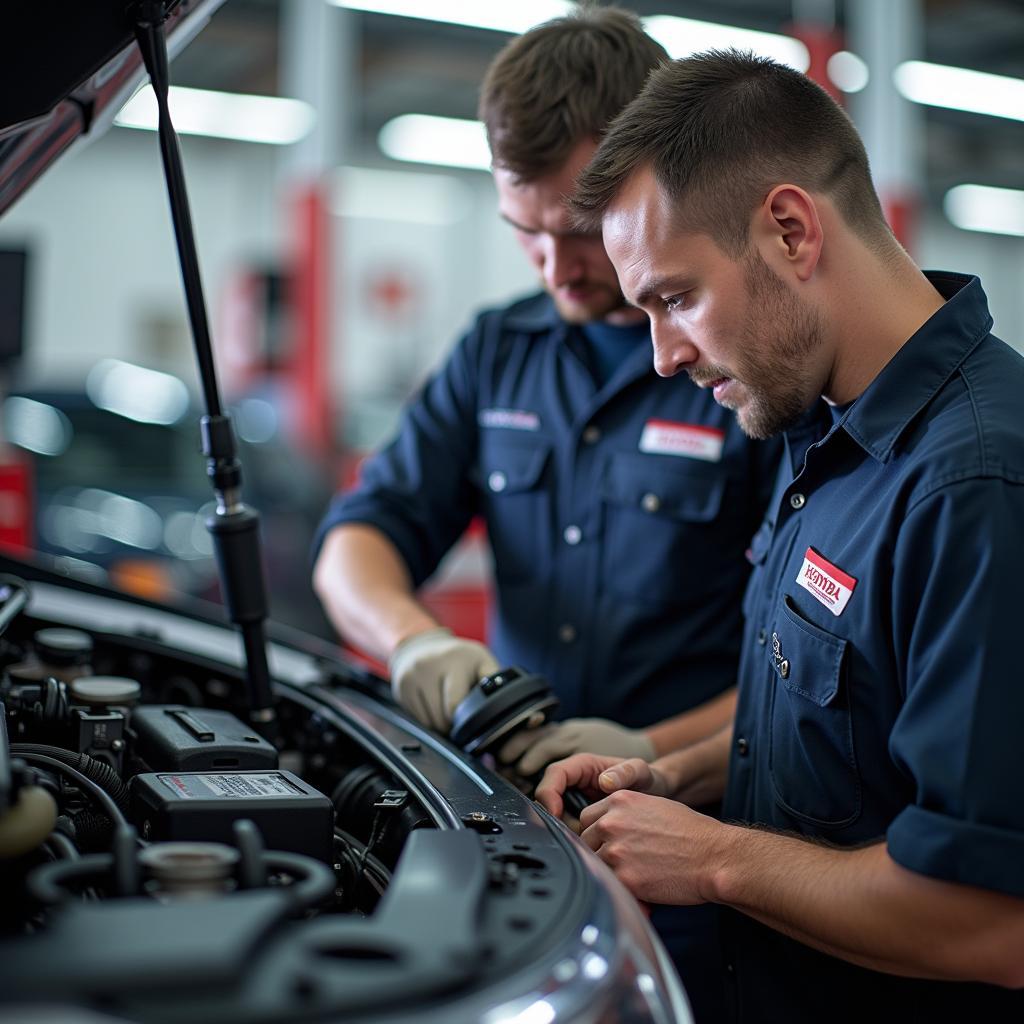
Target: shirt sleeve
(957,576)
(419,490)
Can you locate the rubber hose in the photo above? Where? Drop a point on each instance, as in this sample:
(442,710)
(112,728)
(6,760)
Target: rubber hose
(100,773)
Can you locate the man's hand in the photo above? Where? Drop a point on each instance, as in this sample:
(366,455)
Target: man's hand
(596,775)
(533,749)
(433,670)
(661,850)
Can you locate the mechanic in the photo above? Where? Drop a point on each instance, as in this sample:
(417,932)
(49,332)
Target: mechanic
(591,472)
(873,860)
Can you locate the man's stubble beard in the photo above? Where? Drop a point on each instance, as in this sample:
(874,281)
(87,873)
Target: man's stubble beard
(777,337)
(604,302)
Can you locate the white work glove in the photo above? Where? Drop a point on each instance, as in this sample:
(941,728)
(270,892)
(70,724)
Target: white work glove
(432,671)
(533,749)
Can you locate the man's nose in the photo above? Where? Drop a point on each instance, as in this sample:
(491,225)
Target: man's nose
(562,263)
(673,351)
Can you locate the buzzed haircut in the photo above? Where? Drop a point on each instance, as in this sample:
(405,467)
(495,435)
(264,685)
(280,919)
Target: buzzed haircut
(721,129)
(561,83)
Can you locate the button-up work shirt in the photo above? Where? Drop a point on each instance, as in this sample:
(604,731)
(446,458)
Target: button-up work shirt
(618,513)
(881,690)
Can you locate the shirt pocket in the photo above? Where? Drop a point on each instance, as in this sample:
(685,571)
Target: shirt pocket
(517,504)
(811,756)
(662,535)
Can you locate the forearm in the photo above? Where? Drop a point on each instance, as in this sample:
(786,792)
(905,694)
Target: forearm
(366,590)
(861,906)
(694,725)
(697,774)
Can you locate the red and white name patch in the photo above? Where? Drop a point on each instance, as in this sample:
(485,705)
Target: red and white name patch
(828,583)
(663,437)
(510,419)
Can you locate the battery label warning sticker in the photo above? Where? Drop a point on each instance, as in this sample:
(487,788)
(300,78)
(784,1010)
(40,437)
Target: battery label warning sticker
(240,785)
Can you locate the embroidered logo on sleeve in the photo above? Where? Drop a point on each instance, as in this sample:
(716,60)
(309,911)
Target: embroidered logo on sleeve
(663,437)
(829,584)
(511,419)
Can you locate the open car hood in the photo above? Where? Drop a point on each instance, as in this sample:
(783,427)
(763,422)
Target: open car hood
(66,69)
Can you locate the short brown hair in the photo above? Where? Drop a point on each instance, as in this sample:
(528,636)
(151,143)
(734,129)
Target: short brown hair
(719,130)
(563,82)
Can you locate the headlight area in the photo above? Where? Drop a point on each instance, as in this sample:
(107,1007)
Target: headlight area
(161,861)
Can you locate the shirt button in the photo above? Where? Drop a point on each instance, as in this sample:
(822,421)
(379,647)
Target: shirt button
(567,633)
(650,502)
(592,434)
(742,746)
(497,481)
(762,637)
(797,501)
(572,535)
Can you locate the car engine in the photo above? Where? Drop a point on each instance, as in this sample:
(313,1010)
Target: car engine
(162,861)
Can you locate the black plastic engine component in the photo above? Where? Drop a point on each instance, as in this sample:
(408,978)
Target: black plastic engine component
(290,814)
(174,738)
(498,705)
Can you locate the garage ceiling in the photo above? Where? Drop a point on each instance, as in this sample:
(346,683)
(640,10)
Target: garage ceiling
(410,65)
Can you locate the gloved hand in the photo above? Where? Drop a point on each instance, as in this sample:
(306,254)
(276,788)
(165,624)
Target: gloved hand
(532,749)
(432,671)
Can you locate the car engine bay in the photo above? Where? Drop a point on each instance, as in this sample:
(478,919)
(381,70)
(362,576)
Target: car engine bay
(163,861)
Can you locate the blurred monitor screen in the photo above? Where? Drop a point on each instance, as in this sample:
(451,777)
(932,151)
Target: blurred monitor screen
(13,268)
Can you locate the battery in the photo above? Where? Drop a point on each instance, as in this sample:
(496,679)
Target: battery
(203,806)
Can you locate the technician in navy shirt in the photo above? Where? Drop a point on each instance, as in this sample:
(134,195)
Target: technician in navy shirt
(591,473)
(873,860)
(618,505)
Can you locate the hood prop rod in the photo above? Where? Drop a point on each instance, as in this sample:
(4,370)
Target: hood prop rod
(234,526)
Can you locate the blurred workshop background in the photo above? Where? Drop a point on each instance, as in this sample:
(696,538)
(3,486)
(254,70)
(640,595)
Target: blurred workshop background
(347,229)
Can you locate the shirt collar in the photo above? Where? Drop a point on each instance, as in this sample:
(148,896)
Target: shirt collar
(536,313)
(918,371)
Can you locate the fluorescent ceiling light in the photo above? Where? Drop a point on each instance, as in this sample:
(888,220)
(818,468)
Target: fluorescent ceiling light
(932,84)
(39,427)
(405,196)
(425,139)
(685,36)
(680,36)
(847,71)
(938,85)
(147,396)
(491,14)
(983,208)
(223,115)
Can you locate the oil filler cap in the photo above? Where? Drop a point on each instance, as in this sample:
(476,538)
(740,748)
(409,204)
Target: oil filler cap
(498,705)
(100,691)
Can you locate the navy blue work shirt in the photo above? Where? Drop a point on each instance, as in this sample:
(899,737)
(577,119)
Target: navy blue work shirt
(618,513)
(881,690)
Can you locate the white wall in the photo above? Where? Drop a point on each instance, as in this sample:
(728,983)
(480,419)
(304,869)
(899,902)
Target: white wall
(104,261)
(997,259)
(455,271)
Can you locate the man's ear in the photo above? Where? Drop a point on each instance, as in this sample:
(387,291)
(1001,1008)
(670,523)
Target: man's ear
(788,230)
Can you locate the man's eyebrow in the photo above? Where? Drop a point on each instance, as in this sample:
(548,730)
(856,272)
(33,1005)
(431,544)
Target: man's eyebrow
(519,227)
(652,290)
(561,233)
(649,291)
